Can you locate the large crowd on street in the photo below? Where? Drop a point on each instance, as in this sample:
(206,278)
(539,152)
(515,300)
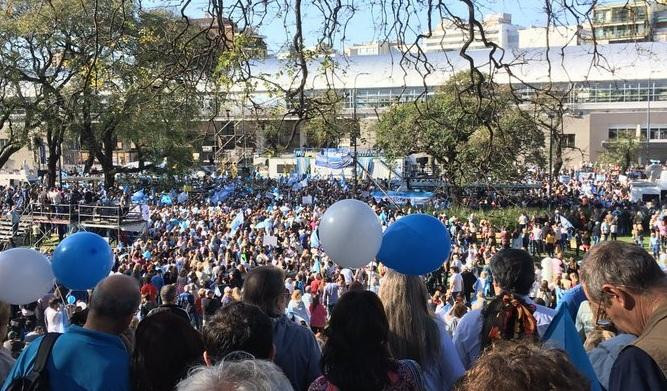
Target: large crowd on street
(230,289)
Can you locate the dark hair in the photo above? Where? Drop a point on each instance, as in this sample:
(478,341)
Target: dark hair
(238,327)
(79,317)
(166,347)
(513,270)
(263,286)
(513,366)
(356,355)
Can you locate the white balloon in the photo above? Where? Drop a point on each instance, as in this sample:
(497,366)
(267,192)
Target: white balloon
(25,276)
(350,233)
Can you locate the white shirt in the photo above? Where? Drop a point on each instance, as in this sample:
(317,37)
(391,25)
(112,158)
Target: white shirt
(55,320)
(467,334)
(457,282)
(348,275)
(447,369)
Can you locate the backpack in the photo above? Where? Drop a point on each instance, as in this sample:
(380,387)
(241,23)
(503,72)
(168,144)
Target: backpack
(38,377)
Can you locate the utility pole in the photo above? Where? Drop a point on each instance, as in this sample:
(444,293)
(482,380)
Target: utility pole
(354,134)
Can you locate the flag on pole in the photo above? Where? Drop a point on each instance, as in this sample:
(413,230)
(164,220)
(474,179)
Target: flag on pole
(563,335)
(565,223)
(237,222)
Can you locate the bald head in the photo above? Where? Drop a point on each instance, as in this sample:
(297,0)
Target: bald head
(115,300)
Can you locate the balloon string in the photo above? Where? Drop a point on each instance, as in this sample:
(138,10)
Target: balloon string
(62,298)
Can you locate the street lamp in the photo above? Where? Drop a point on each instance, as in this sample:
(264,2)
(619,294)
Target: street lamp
(354,132)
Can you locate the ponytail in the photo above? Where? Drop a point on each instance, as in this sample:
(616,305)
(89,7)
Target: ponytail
(508,317)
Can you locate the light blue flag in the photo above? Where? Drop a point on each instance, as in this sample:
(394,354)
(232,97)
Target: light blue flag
(237,222)
(565,223)
(563,335)
(314,240)
(573,298)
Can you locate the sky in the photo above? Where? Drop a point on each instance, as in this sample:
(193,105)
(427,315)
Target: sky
(360,29)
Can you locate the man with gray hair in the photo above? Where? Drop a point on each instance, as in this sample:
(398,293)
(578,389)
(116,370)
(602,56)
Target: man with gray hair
(92,357)
(169,297)
(246,375)
(626,283)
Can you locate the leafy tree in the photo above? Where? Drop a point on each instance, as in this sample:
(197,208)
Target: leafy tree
(474,130)
(624,150)
(327,126)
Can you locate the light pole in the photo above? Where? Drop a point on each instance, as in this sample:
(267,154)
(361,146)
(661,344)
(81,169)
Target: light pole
(354,133)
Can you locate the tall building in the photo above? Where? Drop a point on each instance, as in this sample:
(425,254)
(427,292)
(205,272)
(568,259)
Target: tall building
(555,37)
(498,28)
(369,49)
(630,21)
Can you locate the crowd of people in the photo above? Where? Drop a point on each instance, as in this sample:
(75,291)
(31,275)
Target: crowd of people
(236,292)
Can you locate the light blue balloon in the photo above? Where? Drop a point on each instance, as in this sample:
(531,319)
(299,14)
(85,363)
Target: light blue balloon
(71,299)
(147,255)
(82,260)
(415,245)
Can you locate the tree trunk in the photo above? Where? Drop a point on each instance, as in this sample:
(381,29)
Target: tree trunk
(52,165)
(89,163)
(7,152)
(109,176)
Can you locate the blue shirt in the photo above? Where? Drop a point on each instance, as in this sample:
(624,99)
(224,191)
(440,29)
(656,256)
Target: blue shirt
(157,281)
(297,352)
(635,370)
(81,360)
(467,336)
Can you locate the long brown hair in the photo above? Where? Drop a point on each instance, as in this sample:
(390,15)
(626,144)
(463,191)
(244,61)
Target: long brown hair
(405,303)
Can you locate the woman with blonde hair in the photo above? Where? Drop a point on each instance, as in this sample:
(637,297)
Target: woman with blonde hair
(405,301)
(297,307)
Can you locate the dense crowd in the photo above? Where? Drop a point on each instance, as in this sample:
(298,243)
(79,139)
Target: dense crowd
(235,291)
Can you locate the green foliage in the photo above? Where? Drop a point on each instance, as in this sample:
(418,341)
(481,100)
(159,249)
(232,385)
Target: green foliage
(327,125)
(623,152)
(475,131)
(499,218)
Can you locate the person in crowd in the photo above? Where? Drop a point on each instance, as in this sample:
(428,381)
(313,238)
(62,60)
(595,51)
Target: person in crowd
(330,294)
(165,348)
(169,297)
(405,303)
(625,282)
(454,317)
(356,355)
(55,317)
(6,359)
(297,308)
(318,315)
(256,375)
(523,366)
(210,305)
(513,274)
(92,357)
(238,327)
(297,351)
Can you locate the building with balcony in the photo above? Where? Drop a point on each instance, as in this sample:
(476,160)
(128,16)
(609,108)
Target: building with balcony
(630,21)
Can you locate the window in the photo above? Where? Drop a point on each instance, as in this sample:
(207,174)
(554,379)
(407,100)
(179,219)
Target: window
(615,133)
(568,140)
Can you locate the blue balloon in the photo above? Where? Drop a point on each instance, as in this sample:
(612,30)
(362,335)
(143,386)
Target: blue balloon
(415,244)
(82,260)
(147,254)
(71,299)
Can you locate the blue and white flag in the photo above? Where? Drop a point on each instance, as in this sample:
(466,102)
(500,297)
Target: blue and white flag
(237,222)
(565,223)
